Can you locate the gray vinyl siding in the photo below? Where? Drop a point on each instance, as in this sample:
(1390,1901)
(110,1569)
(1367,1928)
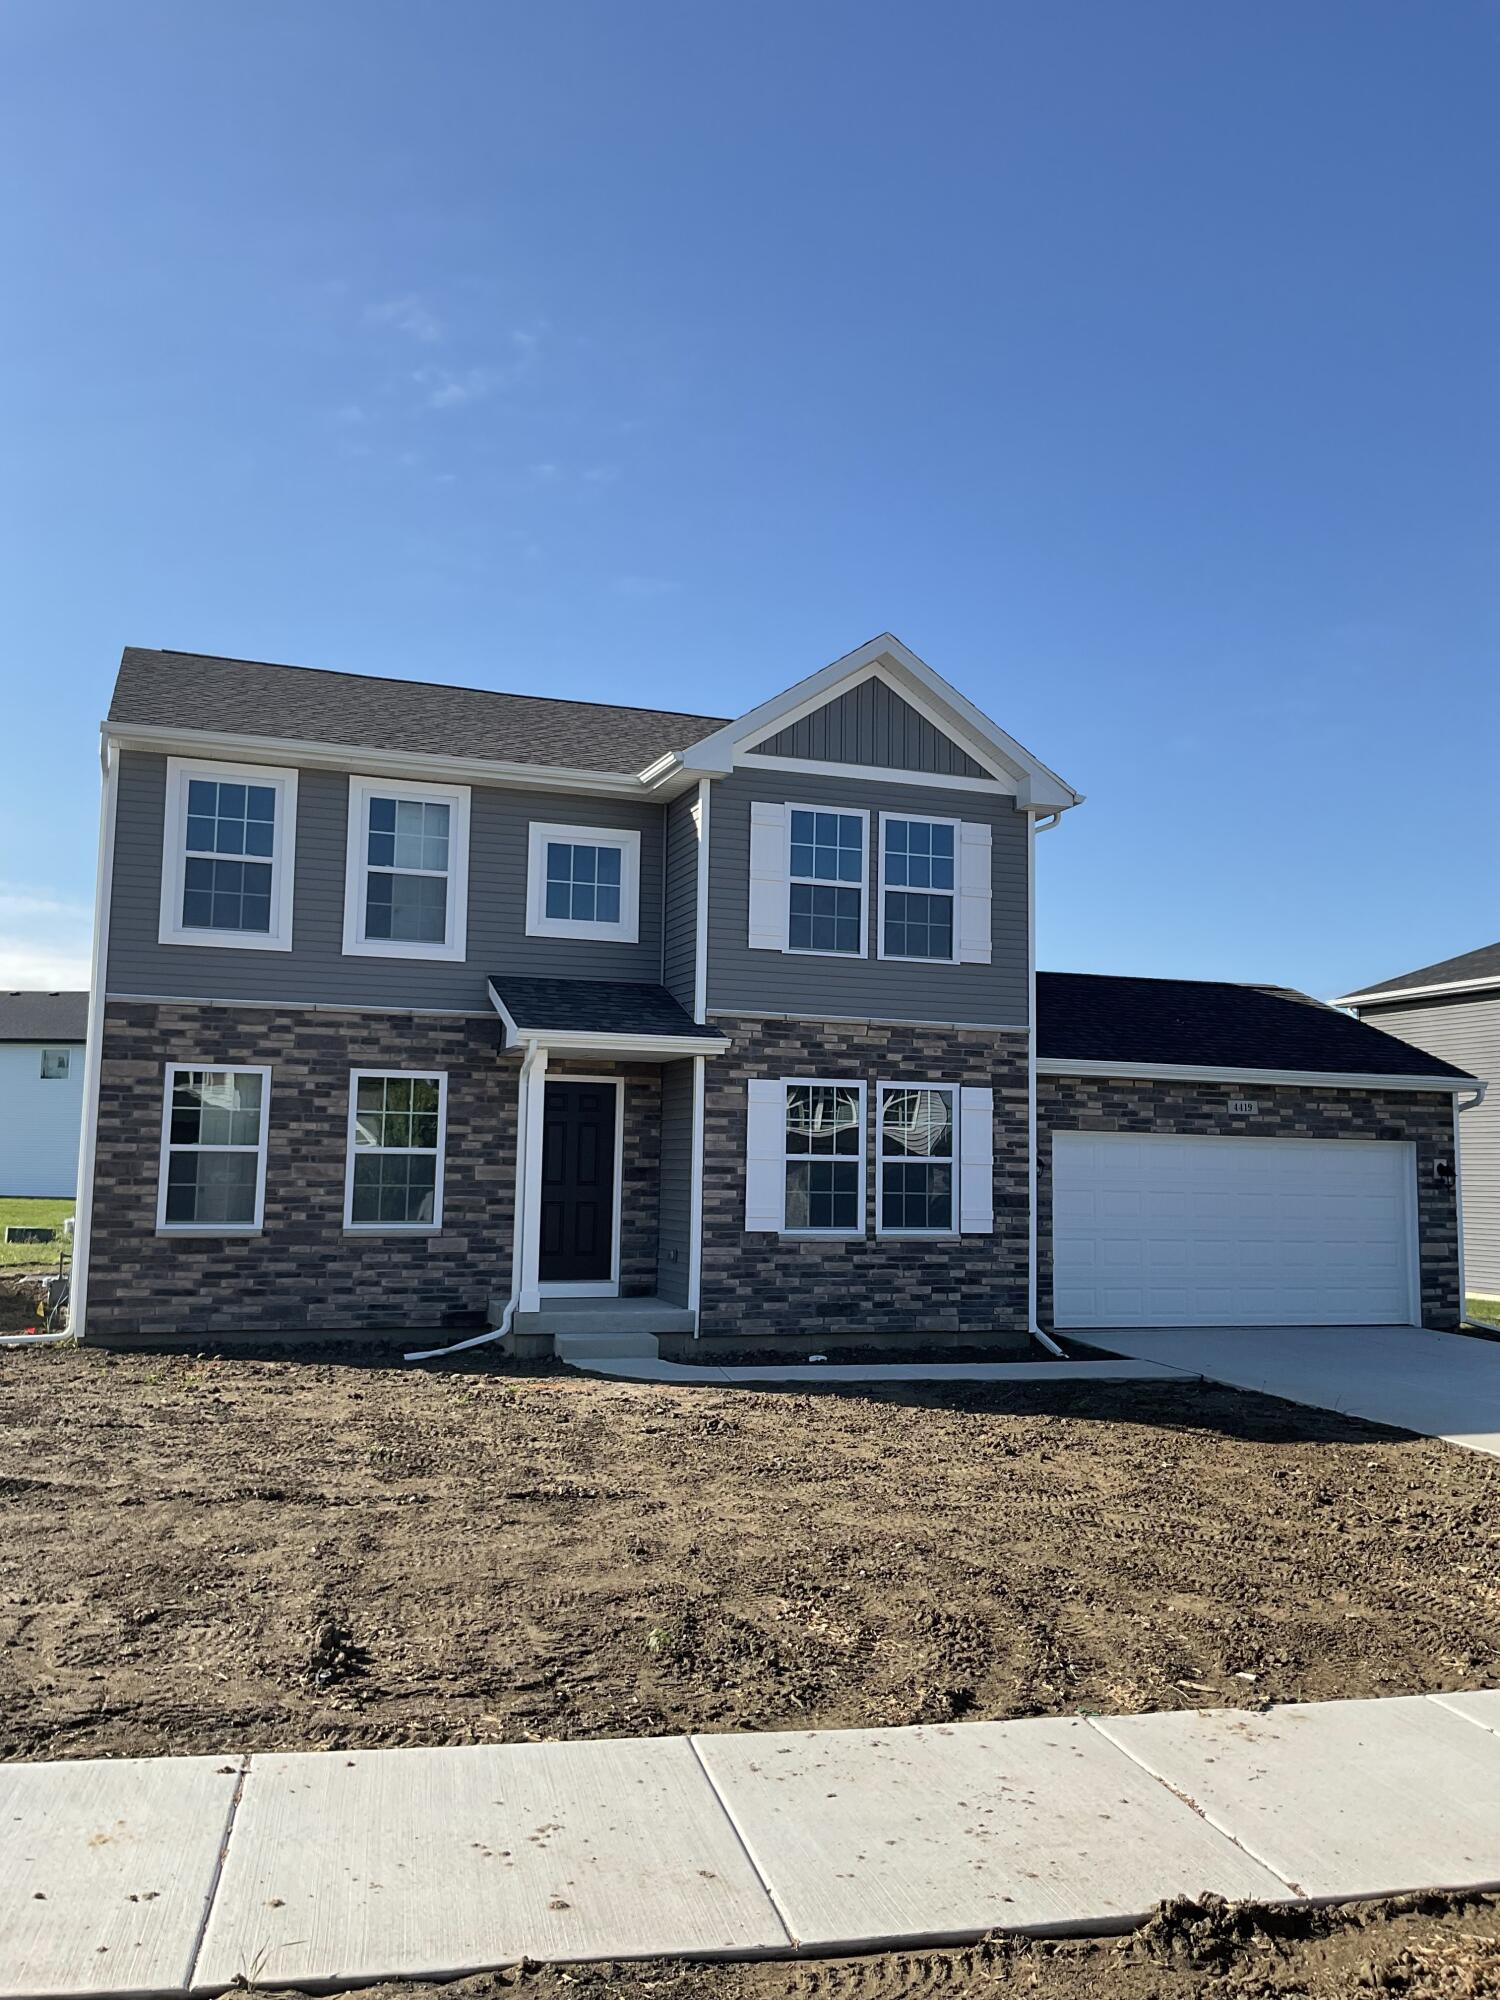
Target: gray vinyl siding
(675,1209)
(1465,1031)
(680,917)
(871,724)
(814,985)
(315,971)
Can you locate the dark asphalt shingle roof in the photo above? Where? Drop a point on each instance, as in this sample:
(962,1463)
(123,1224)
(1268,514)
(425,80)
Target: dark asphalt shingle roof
(43,1017)
(259,698)
(1481,964)
(1091,1017)
(596,1006)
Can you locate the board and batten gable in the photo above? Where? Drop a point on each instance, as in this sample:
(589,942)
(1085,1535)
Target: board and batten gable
(746,980)
(1464,1029)
(315,970)
(871,724)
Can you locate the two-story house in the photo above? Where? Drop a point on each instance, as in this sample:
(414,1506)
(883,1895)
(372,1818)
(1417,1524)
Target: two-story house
(430,1008)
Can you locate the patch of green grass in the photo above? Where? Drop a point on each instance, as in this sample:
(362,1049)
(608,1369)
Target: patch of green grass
(1486,1311)
(32,1215)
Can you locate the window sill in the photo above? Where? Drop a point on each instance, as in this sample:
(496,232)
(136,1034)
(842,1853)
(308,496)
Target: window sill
(620,933)
(908,958)
(918,1235)
(813,951)
(393,1229)
(210,1229)
(822,1235)
(226,940)
(438,954)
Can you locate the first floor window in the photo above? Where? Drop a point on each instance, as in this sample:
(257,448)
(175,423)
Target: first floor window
(214,1148)
(825,1130)
(396,1131)
(55,1065)
(917,1158)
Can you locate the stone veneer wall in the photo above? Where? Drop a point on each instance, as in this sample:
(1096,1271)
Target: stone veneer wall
(303,1273)
(763,1287)
(1286,1111)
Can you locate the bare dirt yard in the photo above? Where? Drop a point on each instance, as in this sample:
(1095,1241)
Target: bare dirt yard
(205,1555)
(1417,1947)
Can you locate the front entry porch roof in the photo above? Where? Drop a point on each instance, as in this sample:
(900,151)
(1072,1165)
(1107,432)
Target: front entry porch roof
(599,1017)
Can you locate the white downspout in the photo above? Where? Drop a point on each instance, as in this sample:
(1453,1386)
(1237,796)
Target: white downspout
(1458,1195)
(1034,826)
(517,1224)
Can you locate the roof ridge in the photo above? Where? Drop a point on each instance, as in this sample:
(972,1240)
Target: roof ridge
(408,680)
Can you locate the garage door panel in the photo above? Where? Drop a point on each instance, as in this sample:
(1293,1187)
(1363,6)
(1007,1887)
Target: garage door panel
(1160,1231)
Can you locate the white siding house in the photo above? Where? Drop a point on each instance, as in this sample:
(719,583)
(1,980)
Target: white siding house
(41,1092)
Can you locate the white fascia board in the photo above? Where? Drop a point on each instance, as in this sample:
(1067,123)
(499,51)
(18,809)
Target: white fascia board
(1199,1073)
(375,763)
(1037,786)
(1390,997)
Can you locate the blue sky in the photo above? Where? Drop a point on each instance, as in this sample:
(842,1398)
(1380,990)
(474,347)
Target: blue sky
(1135,364)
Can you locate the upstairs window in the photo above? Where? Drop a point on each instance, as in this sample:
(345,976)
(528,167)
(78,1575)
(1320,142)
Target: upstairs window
(406,887)
(583,882)
(826,880)
(55,1065)
(918,888)
(213,1149)
(227,858)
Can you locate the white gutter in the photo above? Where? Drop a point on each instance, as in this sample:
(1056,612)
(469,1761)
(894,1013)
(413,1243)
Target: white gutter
(1202,1073)
(1458,1196)
(93,1055)
(518,1210)
(1034,826)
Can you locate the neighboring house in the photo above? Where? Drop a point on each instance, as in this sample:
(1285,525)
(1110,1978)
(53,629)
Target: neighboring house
(1452,1009)
(41,1091)
(431,1008)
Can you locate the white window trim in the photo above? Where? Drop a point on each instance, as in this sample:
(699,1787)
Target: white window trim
(353,1228)
(862,814)
(955,1094)
(170,928)
(170,1076)
(58,1076)
(926,819)
(627,839)
(455,944)
(832,1083)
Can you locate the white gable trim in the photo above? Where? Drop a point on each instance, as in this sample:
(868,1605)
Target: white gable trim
(884,774)
(916,683)
(1392,996)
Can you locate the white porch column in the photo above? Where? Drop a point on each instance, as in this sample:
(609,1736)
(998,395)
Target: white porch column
(695,1219)
(529,1193)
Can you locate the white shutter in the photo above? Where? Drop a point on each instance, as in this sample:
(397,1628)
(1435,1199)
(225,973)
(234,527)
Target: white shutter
(768,883)
(974,893)
(976,1155)
(765,1155)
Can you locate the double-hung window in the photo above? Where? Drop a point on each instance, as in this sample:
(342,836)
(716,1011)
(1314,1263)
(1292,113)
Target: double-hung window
(918,888)
(406,887)
(917,1159)
(825,1158)
(213,1149)
(826,880)
(228,854)
(394,1176)
(583,882)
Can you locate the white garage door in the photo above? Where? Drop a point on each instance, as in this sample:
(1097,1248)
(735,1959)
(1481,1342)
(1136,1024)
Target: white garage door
(1157,1231)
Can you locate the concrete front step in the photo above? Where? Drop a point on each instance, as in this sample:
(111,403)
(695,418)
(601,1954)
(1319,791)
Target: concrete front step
(584,1347)
(599,1316)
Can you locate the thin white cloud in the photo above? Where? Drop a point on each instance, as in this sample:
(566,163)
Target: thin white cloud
(455,388)
(45,940)
(411,315)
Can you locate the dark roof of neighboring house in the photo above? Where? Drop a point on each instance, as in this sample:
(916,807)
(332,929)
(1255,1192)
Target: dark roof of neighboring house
(259,698)
(1212,1024)
(43,1017)
(1481,964)
(596,1006)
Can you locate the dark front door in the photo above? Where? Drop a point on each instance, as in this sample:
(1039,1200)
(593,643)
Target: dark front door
(578,1183)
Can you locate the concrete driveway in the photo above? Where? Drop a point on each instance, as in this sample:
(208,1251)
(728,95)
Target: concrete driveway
(1445,1385)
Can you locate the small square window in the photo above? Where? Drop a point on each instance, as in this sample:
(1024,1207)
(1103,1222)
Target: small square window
(56,1064)
(584,883)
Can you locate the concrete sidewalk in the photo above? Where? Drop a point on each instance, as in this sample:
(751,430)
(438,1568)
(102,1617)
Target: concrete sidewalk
(185,1875)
